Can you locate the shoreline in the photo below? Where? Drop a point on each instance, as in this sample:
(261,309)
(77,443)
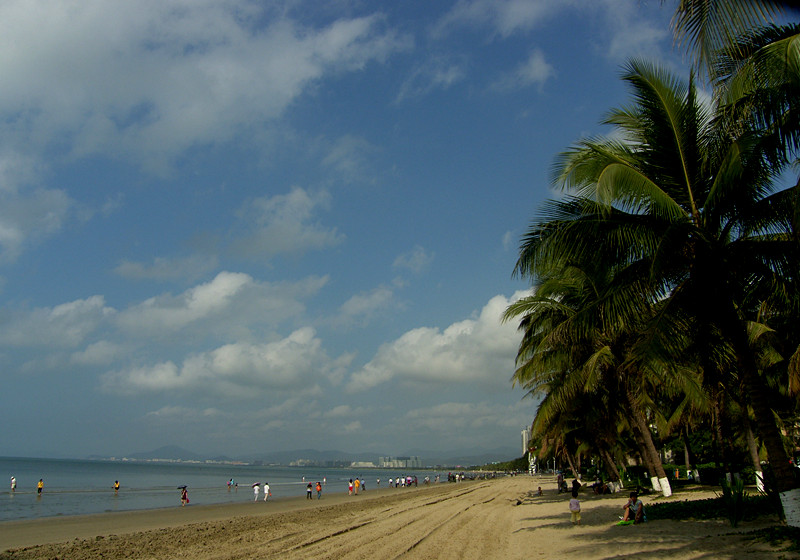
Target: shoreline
(502,518)
(61,528)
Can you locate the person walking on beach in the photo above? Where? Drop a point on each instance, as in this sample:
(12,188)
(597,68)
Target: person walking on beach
(319,490)
(256,490)
(40,486)
(184,496)
(575,509)
(308,491)
(356,485)
(266,491)
(350,487)
(13,484)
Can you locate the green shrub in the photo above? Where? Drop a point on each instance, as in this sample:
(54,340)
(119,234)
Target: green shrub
(735,498)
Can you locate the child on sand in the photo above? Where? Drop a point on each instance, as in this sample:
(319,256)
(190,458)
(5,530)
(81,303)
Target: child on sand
(634,510)
(575,508)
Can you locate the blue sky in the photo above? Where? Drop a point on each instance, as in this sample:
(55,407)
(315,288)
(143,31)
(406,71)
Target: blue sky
(245,227)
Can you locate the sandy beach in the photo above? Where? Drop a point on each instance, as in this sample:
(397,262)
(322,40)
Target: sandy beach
(469,520)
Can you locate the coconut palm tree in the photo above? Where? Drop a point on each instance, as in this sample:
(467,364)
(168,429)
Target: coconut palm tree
(577,331)
(704,27)
(690,214)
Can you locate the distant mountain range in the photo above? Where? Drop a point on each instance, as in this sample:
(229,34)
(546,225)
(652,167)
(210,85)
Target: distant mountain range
(462,458)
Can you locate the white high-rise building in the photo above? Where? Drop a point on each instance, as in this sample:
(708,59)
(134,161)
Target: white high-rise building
(526,438)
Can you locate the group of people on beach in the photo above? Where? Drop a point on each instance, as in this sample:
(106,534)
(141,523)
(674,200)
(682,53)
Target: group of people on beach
(39,485)
(633,509)
(257,490)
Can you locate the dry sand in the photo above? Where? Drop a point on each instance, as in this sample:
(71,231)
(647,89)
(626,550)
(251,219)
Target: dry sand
(501,519)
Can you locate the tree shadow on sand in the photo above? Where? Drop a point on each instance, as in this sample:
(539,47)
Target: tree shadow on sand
(599,536)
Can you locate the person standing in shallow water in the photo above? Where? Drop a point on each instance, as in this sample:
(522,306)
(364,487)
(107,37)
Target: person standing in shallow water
(40,486)
(13,484)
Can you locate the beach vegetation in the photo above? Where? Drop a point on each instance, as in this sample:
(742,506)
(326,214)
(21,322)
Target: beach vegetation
(665,276)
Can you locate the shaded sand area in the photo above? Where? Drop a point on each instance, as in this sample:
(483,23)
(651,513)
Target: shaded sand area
(470,520)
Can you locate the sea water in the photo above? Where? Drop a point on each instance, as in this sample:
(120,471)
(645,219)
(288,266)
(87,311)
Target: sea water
(77,487)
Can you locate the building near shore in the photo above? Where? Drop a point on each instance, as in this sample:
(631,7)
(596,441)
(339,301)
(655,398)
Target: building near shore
(362,465)
(400,462)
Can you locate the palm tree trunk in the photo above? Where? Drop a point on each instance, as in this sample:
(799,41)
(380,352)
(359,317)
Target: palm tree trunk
(662,482)
(688,456)
(768,429)
(571,461)
(611,467)
(721,445)
(753,449)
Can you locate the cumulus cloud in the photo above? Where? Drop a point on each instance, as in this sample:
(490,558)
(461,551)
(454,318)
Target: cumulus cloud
(162,269)
(63,326)
(27,213)
(284,224)
(416,260)
(360,308)
(101,353)
(147,80)
(474,350)
(237,370)
(230,301)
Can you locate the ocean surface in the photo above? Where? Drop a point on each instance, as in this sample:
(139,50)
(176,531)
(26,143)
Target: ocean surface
(77,487)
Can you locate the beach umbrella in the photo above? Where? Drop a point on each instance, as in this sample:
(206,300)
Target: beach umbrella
(255,484)
(181,487)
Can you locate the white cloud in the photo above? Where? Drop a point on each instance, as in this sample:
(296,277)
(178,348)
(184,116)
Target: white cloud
(101,353)
(190,268)
(630,33)
(284,224)
(349,156)
(469,415)
(505,17)
(146,80)
(416,260)
(509,238)
(63,326)
(436,73)
(363,306)
(344,411)
(534,71)
(625,28)
(474,350)
(238,370)
(27,214)
(227,304)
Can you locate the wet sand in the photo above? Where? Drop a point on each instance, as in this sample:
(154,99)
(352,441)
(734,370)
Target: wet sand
(501,519)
